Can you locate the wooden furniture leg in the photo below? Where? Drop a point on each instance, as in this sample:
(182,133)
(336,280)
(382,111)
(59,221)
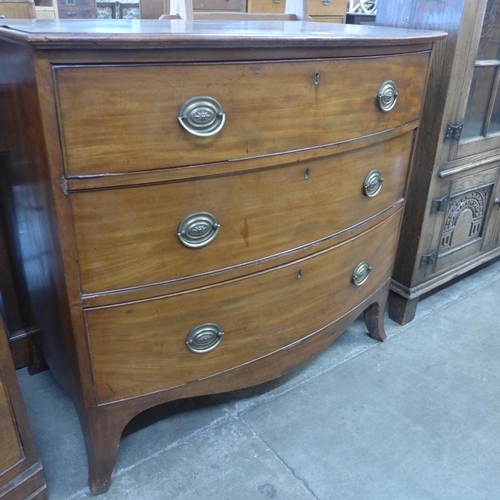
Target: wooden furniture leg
(402,310)
(374,319)
(102,438)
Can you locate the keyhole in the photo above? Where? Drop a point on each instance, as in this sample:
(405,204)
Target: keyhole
(299,274)
(316,79)
(307,174)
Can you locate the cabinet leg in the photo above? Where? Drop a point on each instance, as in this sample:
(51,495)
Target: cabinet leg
(102,441)
(36,363)
(374,320)
(402,310)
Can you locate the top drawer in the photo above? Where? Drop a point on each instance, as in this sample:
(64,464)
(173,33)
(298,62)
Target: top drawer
(125,118)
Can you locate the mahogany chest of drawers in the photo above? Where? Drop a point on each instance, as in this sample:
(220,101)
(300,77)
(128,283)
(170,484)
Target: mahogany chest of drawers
(202,206)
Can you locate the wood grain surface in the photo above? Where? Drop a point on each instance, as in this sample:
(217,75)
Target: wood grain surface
(110,119)
(100,100)
(128,237)
(140,348)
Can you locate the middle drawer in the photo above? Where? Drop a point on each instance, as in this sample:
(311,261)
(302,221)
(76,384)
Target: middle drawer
(129,237)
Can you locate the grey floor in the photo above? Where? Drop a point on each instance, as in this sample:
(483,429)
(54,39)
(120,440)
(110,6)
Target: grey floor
(416,417)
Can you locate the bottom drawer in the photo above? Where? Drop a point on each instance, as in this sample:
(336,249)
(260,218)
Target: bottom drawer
(139,348)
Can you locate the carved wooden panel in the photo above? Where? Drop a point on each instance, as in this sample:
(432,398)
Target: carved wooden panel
(469,219)
(464,220)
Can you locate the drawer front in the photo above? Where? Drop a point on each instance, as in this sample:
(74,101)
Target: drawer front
(12,451)
(129,237)
(141,347)
(316,7)
(219,5)
(267,6)
(327,7)
(113,121)
(328,19)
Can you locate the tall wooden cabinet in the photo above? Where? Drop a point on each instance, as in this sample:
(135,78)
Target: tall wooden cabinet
(452,220)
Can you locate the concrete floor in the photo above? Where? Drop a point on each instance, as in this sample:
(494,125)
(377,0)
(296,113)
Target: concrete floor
(416,417)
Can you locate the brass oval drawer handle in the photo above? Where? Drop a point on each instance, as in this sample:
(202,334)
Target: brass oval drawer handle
(325,2)
(387,96)
(202,116)
(361,273)
(198,230)
(372,184)
(204,338)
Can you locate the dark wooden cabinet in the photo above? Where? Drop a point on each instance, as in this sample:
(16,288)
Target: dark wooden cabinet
(452,219)
(21,475)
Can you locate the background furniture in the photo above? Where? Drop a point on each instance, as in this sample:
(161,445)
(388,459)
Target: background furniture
(295,10)
(21,474)
(452,220)
(17,9)
(9,307)
(46,9)
(157,268)
(319,10)
(77,9)
(357,18)
(117,9)
(153,9)
(14,299)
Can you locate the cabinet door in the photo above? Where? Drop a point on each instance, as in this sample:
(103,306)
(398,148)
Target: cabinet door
(467,220)
(479,105)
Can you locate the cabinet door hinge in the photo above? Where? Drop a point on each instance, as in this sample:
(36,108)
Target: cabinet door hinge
(439,204)
(453,132)
(430,258)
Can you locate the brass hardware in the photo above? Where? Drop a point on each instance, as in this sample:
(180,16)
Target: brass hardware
(202,116)
(198,230)
(299,274)
(373,183)
(204,338)
(387,96)
(497,203)
(277,1)
(361,273)
(325,2)
(317,75)
(308,174)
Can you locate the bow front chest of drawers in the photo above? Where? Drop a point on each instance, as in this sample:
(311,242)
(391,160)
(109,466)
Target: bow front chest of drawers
(200,207)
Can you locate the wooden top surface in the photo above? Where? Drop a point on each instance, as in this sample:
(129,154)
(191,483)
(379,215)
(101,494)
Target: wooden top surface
(179,33)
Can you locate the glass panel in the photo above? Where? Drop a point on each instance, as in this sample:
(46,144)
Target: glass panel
(494,127)
(477,105)
(489,45)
